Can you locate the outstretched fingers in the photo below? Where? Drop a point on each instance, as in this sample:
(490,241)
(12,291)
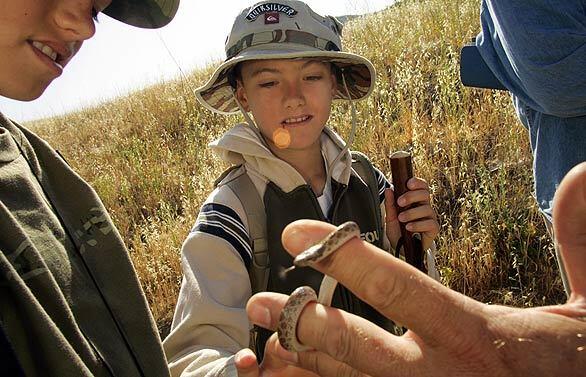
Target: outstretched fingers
(395,289)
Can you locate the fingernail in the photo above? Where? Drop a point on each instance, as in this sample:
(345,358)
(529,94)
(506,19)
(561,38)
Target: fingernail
(401,202)
(401,217)
(409,227)
(259,315)
(295,239)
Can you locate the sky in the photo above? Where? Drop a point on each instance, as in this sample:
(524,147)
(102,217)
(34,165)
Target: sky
(120,59)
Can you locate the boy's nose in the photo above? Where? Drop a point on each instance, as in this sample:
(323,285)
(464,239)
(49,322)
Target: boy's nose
(294,96)
(74,17)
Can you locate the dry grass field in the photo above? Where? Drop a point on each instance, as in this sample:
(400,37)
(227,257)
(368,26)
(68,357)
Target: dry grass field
(146,156)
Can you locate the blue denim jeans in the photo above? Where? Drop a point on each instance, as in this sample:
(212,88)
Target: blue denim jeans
(558,144)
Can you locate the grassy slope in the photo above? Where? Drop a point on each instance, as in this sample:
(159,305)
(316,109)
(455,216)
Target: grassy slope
(146,156)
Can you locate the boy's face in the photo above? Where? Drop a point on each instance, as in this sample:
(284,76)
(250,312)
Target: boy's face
(38,38)
(291,97)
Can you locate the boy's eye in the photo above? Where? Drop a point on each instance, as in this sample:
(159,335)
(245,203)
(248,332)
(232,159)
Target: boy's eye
(314,78)
(95,14)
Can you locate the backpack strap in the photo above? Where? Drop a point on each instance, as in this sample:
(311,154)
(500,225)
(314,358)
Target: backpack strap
(362,165)
(242,186)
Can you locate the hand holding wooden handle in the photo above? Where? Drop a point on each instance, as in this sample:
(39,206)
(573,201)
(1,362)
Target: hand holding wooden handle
(402,171)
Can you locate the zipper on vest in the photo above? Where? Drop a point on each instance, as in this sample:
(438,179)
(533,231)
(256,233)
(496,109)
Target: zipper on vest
(340,190)
(313,196)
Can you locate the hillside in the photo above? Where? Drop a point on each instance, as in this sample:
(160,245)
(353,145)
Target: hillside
(146,156)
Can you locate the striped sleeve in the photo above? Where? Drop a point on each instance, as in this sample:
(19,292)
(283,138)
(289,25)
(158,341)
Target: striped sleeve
(223,222)
(382,182)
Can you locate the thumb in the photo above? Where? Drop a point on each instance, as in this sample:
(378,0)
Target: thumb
(569,221)
(393,229)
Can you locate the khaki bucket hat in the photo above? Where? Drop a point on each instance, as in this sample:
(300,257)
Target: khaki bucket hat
(287,29)
(147,14)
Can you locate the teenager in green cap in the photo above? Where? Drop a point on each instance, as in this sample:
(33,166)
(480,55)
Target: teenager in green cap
(70,301)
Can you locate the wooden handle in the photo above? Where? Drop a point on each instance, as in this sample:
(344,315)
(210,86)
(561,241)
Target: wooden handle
(402,171)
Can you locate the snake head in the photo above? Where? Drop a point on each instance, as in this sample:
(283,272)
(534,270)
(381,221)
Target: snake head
(309,256)
(328,245)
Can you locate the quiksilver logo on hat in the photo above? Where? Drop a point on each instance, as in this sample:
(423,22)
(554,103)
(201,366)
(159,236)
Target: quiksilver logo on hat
(270,7)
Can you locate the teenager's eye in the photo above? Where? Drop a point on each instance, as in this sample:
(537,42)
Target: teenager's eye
(267,84)
(95,14)
(314,78)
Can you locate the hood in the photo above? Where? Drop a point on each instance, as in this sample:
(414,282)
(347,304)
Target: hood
(244,145)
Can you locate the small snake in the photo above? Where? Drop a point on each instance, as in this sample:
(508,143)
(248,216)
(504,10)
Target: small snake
(287,327)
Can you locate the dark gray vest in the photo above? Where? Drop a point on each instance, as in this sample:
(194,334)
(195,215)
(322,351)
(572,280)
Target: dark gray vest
(353,202)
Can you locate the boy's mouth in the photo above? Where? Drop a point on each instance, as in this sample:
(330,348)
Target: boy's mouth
(296,120)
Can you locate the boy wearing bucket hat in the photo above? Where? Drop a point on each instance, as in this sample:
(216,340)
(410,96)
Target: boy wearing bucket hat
(285,66)
(70,301)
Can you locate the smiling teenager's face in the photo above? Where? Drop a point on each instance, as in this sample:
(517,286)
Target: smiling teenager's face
(38,38)
(288,96)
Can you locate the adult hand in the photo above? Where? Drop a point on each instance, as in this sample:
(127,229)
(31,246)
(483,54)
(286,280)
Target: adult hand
(419,219)
(450,334)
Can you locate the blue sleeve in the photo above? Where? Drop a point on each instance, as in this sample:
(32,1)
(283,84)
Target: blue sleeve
(537,49)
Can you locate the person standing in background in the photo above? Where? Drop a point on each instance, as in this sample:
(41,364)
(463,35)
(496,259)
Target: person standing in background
(536,49)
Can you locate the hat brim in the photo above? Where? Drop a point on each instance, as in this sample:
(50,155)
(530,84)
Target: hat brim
(146,14)
(218,95)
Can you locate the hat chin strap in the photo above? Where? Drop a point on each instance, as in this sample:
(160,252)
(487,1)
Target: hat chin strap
(249,121)
(352,131)
(247,117)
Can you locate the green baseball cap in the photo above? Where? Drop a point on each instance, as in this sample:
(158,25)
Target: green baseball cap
(287,29)
(147,14)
